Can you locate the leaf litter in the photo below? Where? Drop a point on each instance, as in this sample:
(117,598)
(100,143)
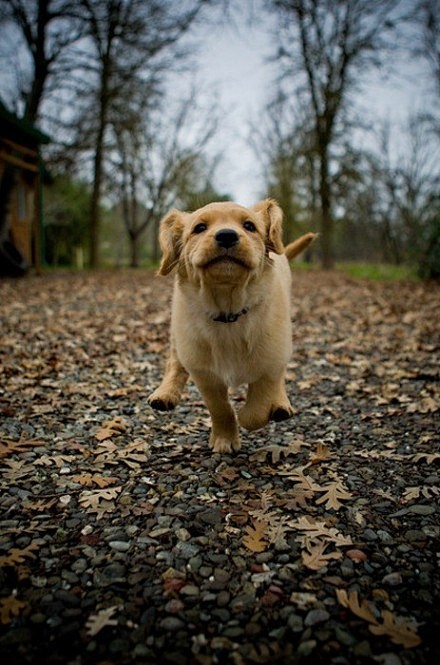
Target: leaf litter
(120,529)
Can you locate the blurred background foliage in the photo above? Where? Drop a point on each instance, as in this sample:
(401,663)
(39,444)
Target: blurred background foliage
(114,83)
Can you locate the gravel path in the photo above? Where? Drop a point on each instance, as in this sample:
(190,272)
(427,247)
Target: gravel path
(123,539)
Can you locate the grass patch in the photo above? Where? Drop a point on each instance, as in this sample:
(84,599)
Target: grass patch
(379,272)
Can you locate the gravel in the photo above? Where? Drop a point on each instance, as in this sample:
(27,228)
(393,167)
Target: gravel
(125,540)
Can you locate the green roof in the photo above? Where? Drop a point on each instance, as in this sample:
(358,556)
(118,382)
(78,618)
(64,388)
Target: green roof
(19,128)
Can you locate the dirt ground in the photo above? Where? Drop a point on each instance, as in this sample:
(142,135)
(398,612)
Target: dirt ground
(123,539)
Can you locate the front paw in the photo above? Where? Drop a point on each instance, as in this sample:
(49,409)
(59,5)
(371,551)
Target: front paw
(162,401)
(224,444)
(279,413)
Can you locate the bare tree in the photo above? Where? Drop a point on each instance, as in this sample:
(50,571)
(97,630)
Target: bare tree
(282,140)
(47,29)
(160,158)
(428,17)
(325,49)
(131,42)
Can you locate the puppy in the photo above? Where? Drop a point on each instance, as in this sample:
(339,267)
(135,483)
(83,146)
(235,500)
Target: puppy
(230,322)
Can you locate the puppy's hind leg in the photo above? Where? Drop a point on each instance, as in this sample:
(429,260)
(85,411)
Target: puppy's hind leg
(266,400)
(167,395)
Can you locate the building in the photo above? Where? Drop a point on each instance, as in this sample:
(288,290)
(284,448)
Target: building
(20,194)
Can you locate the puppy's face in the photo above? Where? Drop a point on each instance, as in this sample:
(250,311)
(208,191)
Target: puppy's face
(221,242)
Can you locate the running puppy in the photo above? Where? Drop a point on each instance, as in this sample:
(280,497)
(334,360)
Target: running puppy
(230,320)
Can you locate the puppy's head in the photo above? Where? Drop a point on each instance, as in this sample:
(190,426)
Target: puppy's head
(221,241)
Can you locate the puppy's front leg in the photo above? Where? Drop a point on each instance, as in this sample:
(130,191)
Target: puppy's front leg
(167,395)
(266,400)
(224,434)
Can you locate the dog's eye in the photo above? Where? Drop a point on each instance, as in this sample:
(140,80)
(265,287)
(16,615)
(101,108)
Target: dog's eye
(199,228)
(249,226)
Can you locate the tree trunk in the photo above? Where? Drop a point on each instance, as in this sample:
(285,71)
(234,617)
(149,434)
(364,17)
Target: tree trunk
(326,211)
(95,211)
(134,250)
(95,217)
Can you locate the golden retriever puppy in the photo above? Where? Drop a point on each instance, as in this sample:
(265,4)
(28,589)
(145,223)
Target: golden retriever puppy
(230,322)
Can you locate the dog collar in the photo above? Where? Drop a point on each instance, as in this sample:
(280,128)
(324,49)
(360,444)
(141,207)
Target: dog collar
(231,317)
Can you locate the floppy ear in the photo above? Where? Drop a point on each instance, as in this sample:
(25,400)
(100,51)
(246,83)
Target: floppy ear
(273,216)
(170,239)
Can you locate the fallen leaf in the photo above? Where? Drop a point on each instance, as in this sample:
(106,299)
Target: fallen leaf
(9,608)
(10,447)
(315,557)
(96,622)
(351,602)
(400,630)
(255,538)
(15,556)
(333,494)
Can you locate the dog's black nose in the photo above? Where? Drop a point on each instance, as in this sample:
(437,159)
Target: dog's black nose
(226,238)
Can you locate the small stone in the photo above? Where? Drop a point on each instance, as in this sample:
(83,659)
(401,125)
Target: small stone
(295,623)
(119,545)
(421,509)
(314,617)
(384,536)
(370,535)
(171,624)
(305,648)
(190,590)
(174,606)
(186,550)
(223,598)
(393,579)
(183,534)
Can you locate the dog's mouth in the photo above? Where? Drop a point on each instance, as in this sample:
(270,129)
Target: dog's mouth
(226,258)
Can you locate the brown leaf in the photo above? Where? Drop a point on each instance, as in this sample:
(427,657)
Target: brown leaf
(321,454)
(315,556)
(277,452)
(111,428)
(16,556)
(351,602)
(334,493)
(255,539)
(400,630)
(9,447)
(89,479)
(9,608)
(92,498)
(96,622)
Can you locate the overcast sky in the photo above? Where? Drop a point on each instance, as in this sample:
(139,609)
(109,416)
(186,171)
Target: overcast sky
(235,62)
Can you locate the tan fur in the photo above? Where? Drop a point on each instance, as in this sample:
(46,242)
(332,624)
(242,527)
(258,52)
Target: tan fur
(251,281)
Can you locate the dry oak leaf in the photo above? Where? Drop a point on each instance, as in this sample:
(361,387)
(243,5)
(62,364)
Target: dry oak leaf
(428,457)
(304,482)
(89,479)
(10,607)
(399,630)
(277,452)
(334,493)
(254,539)
(16,556)
(321,453)
(315,556)
(96,622)
(111,427)
(415,492)
(351,602)
(91,498)
(9,447)
(319,530)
